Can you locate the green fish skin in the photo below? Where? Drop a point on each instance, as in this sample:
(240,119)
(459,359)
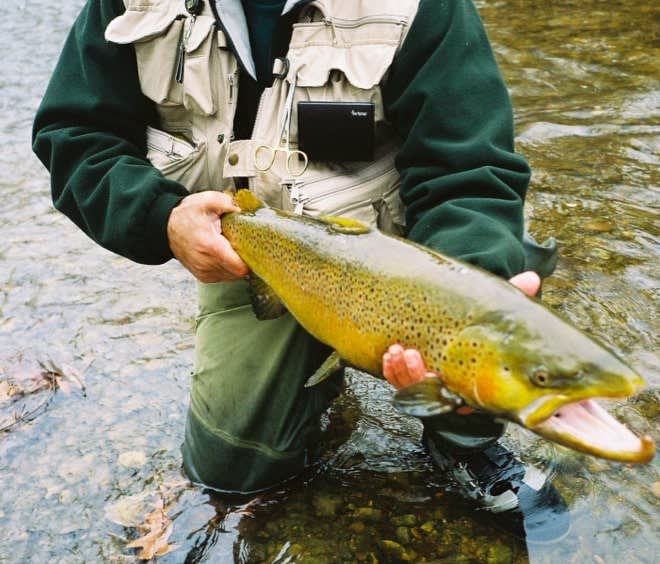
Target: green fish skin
(359,291)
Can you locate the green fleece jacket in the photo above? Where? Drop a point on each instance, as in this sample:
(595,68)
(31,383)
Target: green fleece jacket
(462,182)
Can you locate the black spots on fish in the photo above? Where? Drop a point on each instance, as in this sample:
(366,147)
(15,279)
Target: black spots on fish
(463,359)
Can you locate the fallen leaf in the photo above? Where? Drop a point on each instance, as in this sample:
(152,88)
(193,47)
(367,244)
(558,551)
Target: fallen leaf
(129,510)
(157,528)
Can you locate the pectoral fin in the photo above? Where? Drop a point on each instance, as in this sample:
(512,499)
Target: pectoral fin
(426,399)
(332,364)
(265,302)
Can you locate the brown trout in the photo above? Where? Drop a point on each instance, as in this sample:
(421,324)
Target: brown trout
(359,290)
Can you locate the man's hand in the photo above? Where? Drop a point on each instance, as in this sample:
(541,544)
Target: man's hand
(403,367)
(195,236)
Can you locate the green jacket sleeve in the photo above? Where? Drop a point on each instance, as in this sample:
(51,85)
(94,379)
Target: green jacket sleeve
(89,131)
(462,182)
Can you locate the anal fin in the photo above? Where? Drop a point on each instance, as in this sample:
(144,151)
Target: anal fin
(332,364)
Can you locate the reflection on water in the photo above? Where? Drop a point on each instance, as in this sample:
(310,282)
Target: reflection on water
(584,80)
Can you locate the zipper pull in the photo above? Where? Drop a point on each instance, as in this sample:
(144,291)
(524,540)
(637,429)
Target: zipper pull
(295,197)
(230,95)
(181,50)
(331,23)
(180,62)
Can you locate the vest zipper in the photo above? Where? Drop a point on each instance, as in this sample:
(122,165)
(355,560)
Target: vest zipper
(335,22)
(349,24)
(232,82)
(296,187)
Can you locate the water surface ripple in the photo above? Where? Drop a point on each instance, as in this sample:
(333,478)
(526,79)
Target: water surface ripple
(585,84)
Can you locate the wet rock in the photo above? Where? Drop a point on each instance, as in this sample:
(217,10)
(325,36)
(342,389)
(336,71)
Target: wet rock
(132,459)
(358,527)
(403,535)
(371,514)
(408,520)
(499,553)
(600,226)
(295,550)
(655,489)
(428,527)
(326,505)
(394,552)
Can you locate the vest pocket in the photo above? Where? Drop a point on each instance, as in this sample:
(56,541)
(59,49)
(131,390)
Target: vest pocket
(178,158)
(169,45)
(155,34)
(201,67)
(369,193)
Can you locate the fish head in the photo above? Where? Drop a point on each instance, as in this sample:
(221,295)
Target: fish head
(545,378)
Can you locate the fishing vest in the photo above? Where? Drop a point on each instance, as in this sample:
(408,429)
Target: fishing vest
(339,51)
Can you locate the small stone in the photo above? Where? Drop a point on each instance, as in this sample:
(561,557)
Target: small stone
(408,520)
(499,553)
(372,514)
(428,527)
(295,550)
(326,505)
(393,551)
(132,459)
(655,488)
(601,226)
(403,535)
(357,527)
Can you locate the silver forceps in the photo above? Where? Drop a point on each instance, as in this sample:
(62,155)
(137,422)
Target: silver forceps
(296,160)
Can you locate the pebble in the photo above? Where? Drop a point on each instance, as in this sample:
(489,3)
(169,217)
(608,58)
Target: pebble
(132,459)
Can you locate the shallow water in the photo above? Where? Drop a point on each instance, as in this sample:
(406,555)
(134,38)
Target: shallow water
(585,84)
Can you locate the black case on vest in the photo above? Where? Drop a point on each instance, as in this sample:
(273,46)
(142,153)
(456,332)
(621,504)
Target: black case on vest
(336,131)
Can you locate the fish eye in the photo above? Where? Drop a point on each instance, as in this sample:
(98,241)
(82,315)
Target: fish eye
(541,377)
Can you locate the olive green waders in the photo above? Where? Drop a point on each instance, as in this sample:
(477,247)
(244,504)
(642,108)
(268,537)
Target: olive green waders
(251,422)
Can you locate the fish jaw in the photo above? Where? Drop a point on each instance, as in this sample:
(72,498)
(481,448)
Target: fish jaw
(587,427)
(618,384)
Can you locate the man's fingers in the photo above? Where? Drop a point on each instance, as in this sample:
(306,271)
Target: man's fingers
(403,367)
(529,282)
(195,235)
(231,262)
(414,364)
(219,202)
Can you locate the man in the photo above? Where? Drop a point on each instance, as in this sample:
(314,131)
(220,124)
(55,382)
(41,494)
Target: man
(157,107)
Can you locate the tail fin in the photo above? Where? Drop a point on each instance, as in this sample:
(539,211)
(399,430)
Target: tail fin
(247,201)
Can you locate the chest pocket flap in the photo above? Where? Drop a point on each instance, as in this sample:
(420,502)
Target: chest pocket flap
(361,50)
(156,31)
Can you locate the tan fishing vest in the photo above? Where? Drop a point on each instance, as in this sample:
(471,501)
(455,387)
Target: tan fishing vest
(340,50)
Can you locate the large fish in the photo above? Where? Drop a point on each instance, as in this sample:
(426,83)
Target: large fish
(494,348)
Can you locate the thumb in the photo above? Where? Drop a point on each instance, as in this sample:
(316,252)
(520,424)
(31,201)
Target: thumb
(219,202)
(529,282)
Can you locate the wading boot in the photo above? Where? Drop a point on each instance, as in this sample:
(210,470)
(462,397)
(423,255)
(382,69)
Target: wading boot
(522,498)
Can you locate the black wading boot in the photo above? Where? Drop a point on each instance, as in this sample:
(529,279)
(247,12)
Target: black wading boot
(520,496)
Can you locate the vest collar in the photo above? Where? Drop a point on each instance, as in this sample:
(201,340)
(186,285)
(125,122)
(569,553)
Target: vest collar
(231,17)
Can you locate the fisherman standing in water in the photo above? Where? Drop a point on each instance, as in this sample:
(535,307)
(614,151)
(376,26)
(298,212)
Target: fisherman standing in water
(392,112)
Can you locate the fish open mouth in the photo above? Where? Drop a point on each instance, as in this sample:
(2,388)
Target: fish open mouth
(586,426)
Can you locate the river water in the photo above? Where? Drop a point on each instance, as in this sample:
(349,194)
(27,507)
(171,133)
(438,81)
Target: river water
(78,474)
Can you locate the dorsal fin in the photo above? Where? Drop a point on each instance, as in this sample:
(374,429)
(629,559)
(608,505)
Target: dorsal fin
(345,225)
(247,201)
